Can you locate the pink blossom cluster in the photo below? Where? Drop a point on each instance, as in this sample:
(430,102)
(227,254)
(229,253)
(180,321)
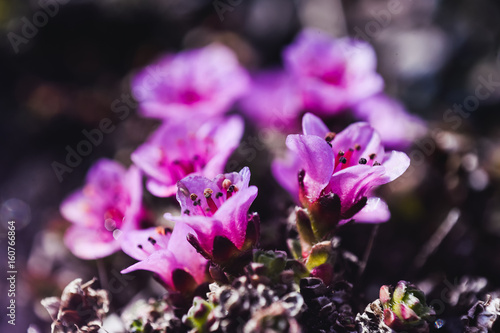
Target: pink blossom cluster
(327,76)
(331,176)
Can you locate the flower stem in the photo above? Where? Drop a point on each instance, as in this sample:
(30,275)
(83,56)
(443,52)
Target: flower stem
(368,251)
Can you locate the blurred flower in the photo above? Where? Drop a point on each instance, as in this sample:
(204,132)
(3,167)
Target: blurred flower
(167,254)
(382,113)
(335,173)
(196,83)
(80,308)
(109,203)
(217,210)
(178,149)
(333,74)
(273,101)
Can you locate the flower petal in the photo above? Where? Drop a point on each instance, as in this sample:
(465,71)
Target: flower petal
(88,244)
(375,211)
(353,183)
(395,164)
(383,112)
(186,254)
(313,125)
(135,243)
(161,262)
(233,215)
(318,161)
(226,135)
(78,209)
(205,228)
(361,134)
(286,171)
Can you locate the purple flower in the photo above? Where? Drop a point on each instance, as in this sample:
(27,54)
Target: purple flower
(168,254)
(382,112)
(335,173)
(274,100)
(178,149)
(109,203)
(203,82)
(217,210)
(333,73)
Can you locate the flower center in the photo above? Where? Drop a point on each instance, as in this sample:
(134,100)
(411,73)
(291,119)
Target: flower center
(210,205)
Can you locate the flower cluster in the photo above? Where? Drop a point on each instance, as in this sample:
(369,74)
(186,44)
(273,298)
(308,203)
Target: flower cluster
(327,76)
(212,242)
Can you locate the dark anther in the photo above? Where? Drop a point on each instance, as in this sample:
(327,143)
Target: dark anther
(330,136)
(187,212)
(218,195)
(341,153)
(231,188)
(152,240)
(139,246)
(362,160)
(343,160)
(372,156)
(193,196)
(357,146)
(376,163)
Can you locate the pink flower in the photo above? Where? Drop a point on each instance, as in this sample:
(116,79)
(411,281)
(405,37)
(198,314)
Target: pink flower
(382,112)
(167,254)
(196,83)
(273,101)
(333,74)
(178,149)
(335,173)
(217,210)
(109,203)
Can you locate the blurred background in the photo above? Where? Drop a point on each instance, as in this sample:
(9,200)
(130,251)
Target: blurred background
(65,64)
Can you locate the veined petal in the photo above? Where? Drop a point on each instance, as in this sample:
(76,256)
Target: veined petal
(395,164)
(233,215)
(205,228)
(318,160)
(185,253)
(161,262)
(137,245)
(353,183)
(313,125)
